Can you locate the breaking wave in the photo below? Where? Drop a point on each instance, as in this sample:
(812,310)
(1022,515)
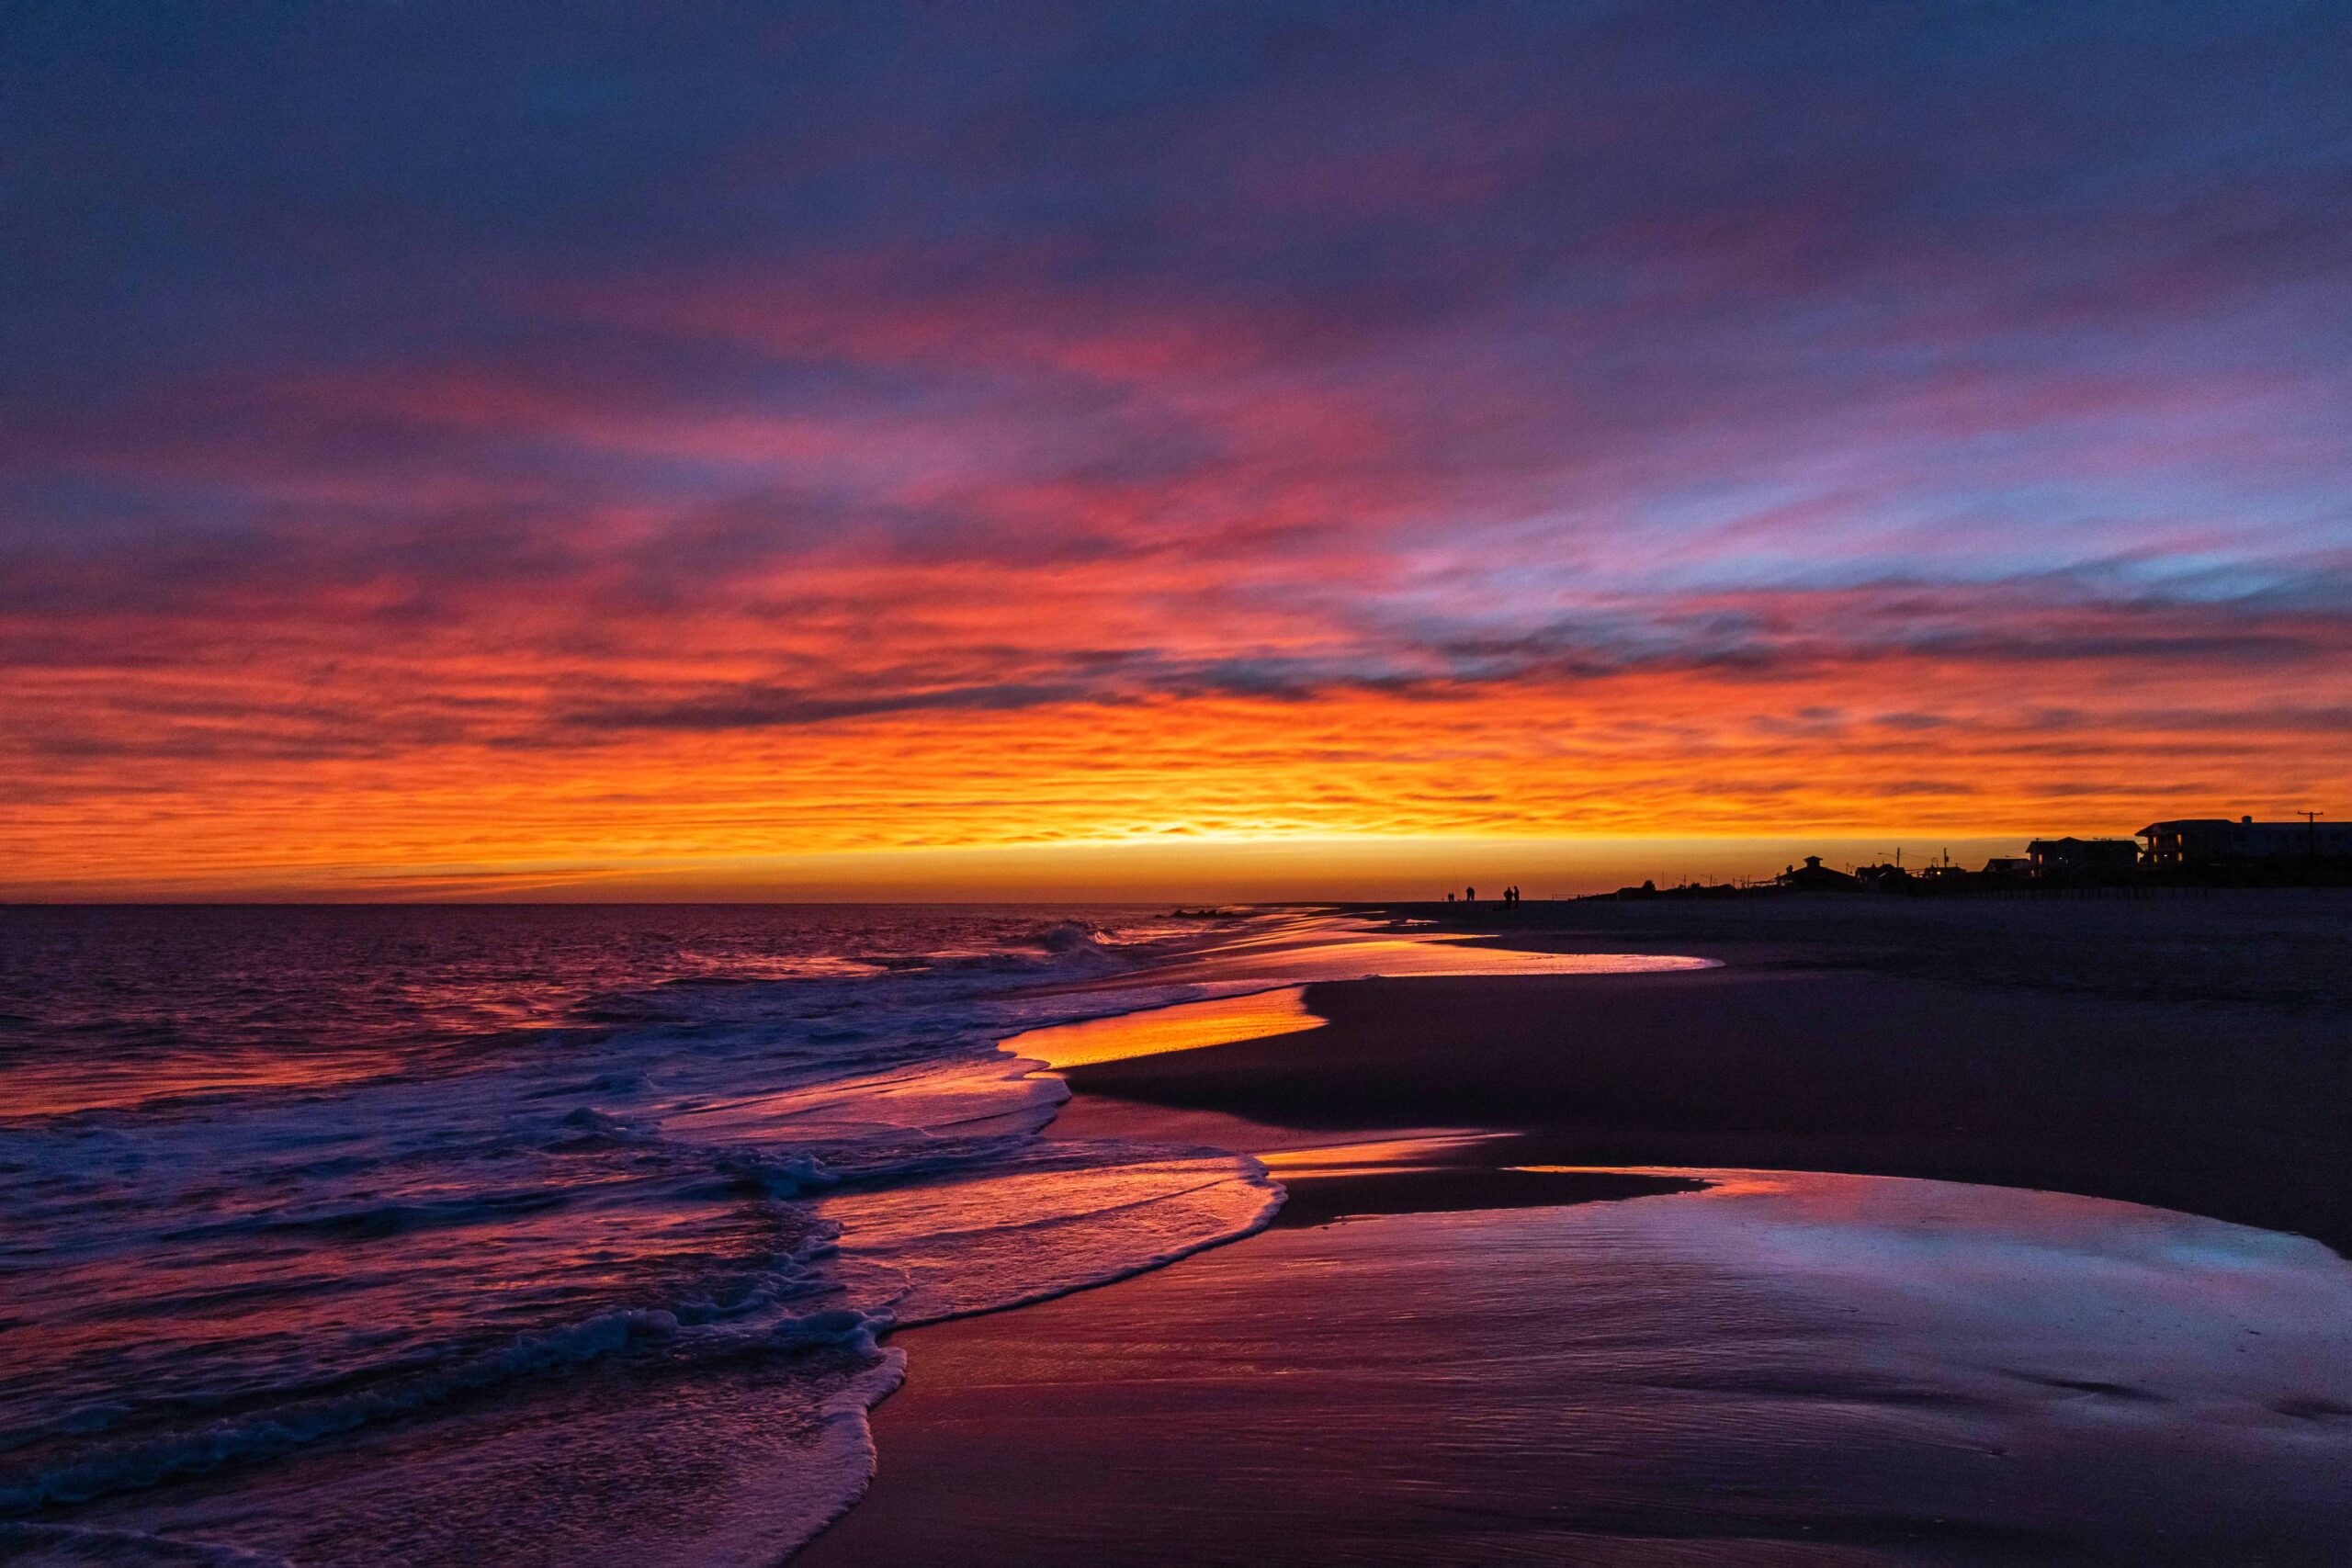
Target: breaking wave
(237,1256)
(549,1234)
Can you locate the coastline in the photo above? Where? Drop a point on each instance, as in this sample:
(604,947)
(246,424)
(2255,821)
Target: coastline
(1602,1383)
(1801,1056)
(2229,1112)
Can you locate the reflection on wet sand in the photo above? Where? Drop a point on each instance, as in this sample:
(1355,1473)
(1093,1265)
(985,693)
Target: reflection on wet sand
(1387,1154)
(1260,977)
(1766,1368)
(1185,1027)
(1487,1352)
(1307,949)
(1441,1171)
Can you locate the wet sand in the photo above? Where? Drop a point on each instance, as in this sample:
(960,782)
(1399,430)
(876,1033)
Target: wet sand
(1499,1363)
(1765,1369)
(2230,1110)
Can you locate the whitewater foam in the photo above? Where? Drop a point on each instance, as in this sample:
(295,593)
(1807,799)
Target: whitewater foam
(498,1257)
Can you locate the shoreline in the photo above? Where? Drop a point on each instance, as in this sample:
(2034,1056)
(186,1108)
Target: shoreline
(2232,1116)
(1793,1058)
(1577,1382)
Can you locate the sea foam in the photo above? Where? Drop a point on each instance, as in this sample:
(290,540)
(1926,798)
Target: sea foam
(561,1234)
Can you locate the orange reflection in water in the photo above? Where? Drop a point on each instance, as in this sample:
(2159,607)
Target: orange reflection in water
(1435,1148)
(71,1084)
(1305,950)
(1185,1027)
(1336,950)
(1721,1182)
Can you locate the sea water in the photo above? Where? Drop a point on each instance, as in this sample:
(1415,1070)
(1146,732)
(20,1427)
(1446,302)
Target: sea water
(452,1234)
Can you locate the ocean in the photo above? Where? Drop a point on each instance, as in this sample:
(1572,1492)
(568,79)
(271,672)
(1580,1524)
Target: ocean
(441,1235)
(447,1234)
(311,1218)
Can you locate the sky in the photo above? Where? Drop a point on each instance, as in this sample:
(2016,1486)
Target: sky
(1010,449)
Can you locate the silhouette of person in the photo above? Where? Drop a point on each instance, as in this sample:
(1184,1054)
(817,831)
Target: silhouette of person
(1469,894)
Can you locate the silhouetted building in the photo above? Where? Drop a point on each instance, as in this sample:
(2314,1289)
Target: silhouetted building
(1814,878)
(2083,860)
(2210,840)
(2008,868)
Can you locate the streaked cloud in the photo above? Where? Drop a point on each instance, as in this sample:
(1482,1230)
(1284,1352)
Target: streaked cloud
(436,444)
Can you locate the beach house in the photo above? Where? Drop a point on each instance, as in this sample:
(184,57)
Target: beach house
(1814,878)
(2082,860)
(2214,840)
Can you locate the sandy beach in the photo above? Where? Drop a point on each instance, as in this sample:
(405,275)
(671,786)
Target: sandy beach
(1665,1380)
(2059,1286)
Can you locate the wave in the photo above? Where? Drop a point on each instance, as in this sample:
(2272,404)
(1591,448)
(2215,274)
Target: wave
(674,1176)
(377,1220)
(1070,936)
(54,1545)
(704,1327)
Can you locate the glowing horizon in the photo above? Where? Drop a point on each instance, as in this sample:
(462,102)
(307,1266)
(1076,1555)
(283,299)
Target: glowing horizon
(743,455)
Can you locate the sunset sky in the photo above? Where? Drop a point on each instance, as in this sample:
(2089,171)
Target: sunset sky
(1011,449)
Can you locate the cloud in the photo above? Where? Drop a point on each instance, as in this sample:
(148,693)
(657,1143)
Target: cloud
(1127,423)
